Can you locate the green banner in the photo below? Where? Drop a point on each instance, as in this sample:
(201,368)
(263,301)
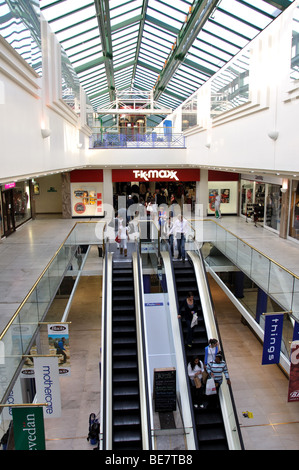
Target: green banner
(29,432)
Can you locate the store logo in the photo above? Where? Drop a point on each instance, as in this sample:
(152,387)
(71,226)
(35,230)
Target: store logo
(154,174)
(29,427)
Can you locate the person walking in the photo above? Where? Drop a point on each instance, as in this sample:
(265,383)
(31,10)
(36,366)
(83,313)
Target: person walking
(179,229)
(123,234)
(211,350)
(216,369)
(217,205)
(187,309)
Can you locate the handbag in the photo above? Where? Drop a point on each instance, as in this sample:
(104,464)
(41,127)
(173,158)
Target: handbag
(117,239)
(194,320)
(210,387)
(197,382)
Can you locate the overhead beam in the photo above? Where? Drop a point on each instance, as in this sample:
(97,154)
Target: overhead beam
(190,30)
(140,34)
(103,18)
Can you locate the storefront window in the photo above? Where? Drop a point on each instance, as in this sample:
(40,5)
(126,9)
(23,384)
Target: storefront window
(294,213)
(21,202)
(1,220)
(273,206)
(246,197)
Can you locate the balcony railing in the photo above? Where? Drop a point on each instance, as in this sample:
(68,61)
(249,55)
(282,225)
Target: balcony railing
(152,140)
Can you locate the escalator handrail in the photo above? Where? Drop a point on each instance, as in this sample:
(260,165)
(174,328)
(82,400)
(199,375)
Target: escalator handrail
(180,353)
(106,379)
(145,403)
(209,317)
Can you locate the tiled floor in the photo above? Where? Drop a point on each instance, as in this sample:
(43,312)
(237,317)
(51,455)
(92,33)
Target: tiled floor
(262,390)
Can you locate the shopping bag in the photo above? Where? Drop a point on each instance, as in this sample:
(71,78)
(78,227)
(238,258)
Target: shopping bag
(210,387)
(197,382)
(117,239)
(194,320)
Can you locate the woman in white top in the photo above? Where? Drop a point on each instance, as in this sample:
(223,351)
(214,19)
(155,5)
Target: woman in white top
(123,234)
(196,369)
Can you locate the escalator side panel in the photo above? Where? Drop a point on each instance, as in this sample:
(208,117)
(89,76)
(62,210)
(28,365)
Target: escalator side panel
(209,421)
(126,434)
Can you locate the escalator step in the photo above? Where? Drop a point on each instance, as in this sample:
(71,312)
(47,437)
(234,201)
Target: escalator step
(127,435)
(124,329)
(126,420)
(124,340)
(124,364)
(125,352)
(125,391)
(126,406)
(125,377)
(211,434)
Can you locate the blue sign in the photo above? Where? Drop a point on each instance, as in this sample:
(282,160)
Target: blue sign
(272,338)
(296,332)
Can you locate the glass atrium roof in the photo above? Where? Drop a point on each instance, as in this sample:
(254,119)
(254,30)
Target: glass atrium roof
(171,47)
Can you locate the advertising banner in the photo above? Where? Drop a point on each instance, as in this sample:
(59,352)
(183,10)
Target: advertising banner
(293,394)
(29,432)
(47,385)
(272,338)
(58,337)
(87,199)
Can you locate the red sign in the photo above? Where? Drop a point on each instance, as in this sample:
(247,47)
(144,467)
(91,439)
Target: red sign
(163,174)
(293,394)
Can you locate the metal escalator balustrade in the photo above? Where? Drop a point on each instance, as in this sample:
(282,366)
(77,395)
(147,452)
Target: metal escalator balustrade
(210,427)
(126,413)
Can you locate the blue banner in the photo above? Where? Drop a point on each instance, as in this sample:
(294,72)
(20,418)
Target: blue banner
(296,332)
(272,338)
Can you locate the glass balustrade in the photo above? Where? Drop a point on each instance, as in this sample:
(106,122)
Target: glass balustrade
(18,334)
(277,282)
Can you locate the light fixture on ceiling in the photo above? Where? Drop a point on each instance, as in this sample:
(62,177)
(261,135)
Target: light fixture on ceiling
(46,133)
(79,145)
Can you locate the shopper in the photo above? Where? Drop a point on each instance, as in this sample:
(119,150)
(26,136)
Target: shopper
(187,309)
(195,371)
(211,350)
(217,205)
(180,228)
(216,369)
(123,234)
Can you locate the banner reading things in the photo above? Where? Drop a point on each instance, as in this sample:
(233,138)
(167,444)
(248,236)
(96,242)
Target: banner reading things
(272,338)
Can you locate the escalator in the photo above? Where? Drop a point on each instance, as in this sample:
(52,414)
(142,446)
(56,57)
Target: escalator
(210,428)
(126,413)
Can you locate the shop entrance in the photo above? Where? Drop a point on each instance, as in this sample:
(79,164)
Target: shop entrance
(8,212)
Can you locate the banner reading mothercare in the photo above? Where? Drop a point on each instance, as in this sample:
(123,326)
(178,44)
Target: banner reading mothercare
(293,394)
(47,385)
(272,338)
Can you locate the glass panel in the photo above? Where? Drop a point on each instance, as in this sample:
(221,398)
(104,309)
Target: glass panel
(273,206)
(294,74)
(295,302)
(189,113)
(244,257)
(21,202)
(281,286)
(70,84)
(231,86)
(20,26)
(260,271)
